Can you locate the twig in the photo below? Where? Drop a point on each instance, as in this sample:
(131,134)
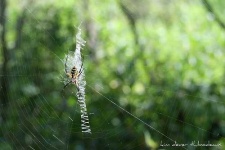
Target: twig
(211,10)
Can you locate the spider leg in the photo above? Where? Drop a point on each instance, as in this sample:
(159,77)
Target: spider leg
(66,85)
(81,69)
(66,62)
(77,88)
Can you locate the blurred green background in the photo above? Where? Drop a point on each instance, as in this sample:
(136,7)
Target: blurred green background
(163,61)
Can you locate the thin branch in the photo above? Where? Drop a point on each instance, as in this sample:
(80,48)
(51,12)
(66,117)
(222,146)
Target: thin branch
(4,50)
(211,10)
(19,30)
(131,19)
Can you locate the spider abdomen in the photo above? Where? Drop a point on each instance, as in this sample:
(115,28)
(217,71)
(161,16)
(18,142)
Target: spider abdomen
(73,72)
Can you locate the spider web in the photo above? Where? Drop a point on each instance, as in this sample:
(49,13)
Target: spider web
(42,118)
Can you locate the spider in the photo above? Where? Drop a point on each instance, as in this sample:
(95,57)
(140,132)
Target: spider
(73,75)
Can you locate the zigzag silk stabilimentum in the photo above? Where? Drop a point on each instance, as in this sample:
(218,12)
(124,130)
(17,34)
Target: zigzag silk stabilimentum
(75,59)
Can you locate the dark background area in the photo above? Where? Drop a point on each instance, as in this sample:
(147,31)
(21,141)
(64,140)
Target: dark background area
(162,61)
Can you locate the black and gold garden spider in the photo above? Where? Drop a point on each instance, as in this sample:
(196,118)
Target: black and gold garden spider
(73,75)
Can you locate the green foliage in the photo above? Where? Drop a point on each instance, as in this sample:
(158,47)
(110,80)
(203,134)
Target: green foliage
(173,79)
